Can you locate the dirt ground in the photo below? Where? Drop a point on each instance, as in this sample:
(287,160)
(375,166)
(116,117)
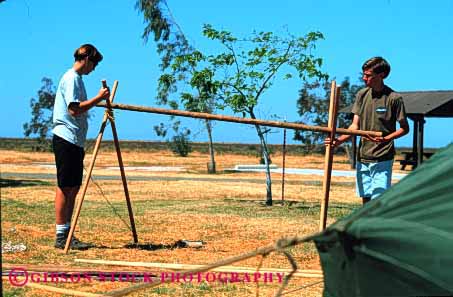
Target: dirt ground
(225,210)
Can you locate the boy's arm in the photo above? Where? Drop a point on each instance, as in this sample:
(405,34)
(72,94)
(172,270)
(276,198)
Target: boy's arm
(77,108)
(354,126)
(403,130)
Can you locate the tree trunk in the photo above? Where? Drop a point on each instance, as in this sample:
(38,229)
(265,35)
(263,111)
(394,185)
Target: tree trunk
(266,158)
(211,165)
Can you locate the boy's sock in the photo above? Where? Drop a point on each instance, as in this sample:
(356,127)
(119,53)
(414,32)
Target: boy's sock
(61,230)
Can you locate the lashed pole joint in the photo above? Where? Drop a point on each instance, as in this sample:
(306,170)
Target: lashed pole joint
(108,115)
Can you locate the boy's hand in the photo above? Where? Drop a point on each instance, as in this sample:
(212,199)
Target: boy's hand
(378,139)
(334,143)
(104,93)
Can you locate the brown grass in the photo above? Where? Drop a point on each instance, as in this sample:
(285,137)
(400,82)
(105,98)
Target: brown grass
(224,210)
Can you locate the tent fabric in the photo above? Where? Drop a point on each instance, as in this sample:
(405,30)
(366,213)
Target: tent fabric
(400,244)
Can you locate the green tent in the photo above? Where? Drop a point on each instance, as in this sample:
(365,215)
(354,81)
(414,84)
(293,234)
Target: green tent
(398,245)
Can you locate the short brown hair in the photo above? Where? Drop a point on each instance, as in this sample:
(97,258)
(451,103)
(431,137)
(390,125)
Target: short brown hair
(88,50)
(377,65)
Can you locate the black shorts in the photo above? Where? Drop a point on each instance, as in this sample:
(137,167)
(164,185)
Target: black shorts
(69,161)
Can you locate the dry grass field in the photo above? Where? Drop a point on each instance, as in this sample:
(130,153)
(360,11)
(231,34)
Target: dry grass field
(225,210)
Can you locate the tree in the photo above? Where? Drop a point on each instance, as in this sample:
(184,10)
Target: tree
(41,110)
(313,107)
(179,143)
(179,62)
(189,69)
(249,67)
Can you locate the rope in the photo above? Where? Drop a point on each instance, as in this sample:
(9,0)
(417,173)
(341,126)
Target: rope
(301,288)
(111,117)
(109,114)
(279,245)
(110,204)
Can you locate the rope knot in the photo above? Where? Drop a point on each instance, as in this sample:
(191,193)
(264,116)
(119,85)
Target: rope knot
(109,114)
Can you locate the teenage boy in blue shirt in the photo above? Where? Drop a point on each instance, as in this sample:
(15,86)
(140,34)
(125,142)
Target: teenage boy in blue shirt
(70,127)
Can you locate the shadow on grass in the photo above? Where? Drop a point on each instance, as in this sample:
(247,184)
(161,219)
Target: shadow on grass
(13,183)
(153,247)
(292,203)
(283,209)
(149,246)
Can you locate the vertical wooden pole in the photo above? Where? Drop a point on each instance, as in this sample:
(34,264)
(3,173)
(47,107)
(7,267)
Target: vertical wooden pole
(354,152)
(334,97)
(283,165)
(89,172)
(123,177)
(121,166)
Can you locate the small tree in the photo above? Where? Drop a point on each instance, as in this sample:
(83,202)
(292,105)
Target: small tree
(249,66)
(189,69)
(313,107)
(41,111)
(179,142)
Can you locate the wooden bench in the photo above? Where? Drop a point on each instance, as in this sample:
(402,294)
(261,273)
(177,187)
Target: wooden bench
(410,159)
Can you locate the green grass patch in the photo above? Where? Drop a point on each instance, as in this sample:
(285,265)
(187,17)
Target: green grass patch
(13,292)
(27,213)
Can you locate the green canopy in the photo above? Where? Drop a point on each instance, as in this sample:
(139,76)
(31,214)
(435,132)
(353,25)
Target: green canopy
(398,245)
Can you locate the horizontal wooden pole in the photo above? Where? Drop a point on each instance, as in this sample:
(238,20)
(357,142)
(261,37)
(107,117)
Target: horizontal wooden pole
(7,267)
(60,291)
(175,266)
(216,117)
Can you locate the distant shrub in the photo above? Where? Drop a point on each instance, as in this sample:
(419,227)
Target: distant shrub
(180,144)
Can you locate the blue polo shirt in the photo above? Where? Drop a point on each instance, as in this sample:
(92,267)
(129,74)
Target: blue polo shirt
(71,128)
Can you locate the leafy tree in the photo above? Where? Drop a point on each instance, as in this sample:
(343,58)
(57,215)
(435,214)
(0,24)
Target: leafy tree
(190,69)
(313,107)
(41,110)
(246,74)
(179,63)
(249,67)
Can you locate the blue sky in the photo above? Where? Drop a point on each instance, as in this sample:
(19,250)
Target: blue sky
(39,38)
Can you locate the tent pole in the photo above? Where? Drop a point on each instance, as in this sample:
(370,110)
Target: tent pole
(332,124)
(123,178)
(224,118)
(90,170)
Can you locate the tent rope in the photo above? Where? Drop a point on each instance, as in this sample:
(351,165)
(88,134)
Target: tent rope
(281,244)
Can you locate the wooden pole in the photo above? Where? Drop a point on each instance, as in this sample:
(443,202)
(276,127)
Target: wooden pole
(354,152)
(89,172)
(334,97)
(278,246)
(177,266)
(61,291)
(123,178)
(216,117)
(283,164)
(8,267)
(121,166)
